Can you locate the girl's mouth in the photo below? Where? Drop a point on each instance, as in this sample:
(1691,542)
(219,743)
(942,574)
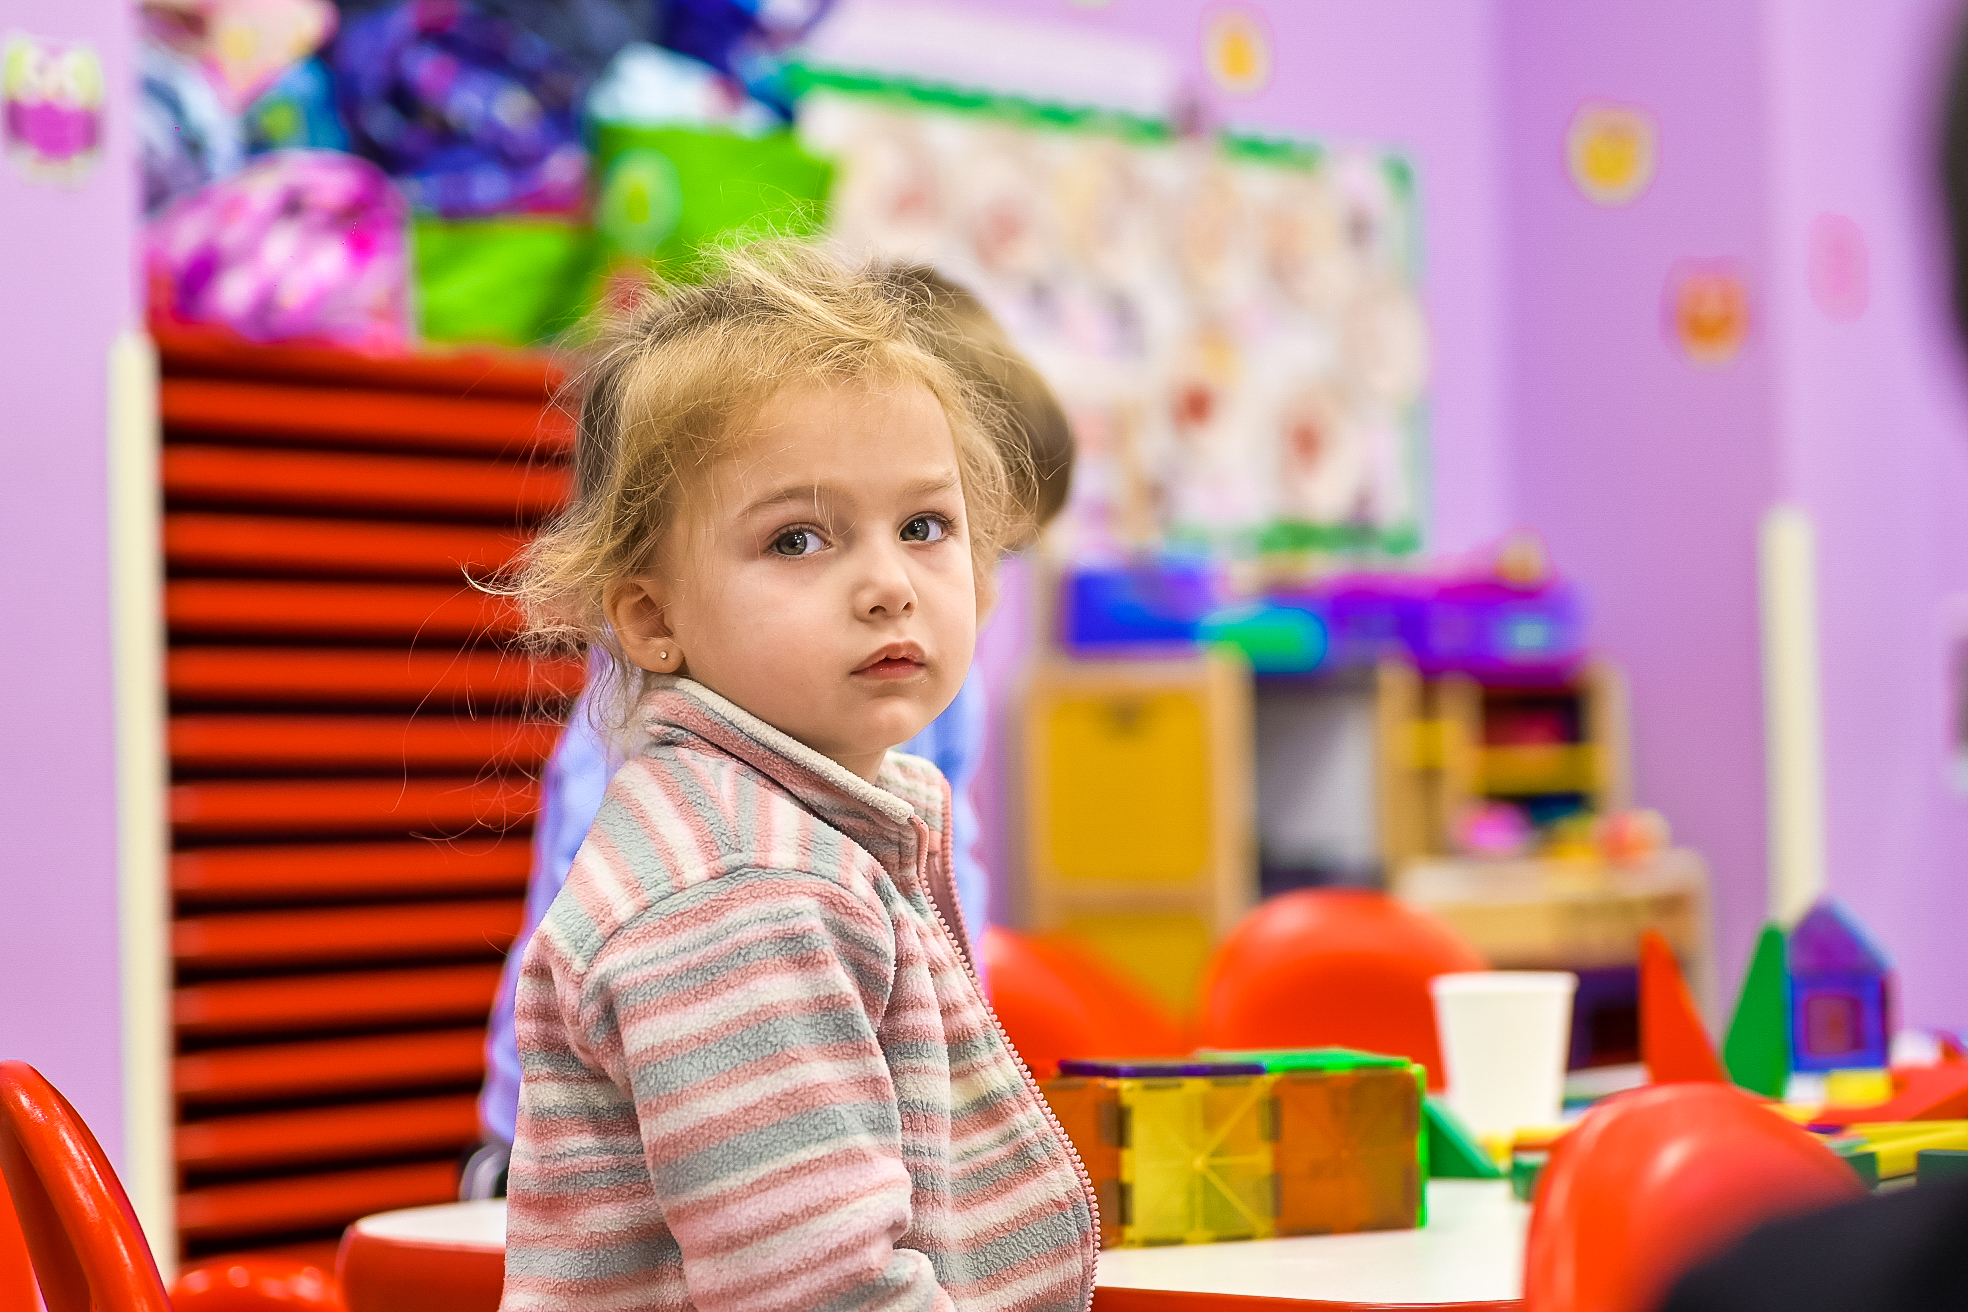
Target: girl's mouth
(891,667)
(898,660)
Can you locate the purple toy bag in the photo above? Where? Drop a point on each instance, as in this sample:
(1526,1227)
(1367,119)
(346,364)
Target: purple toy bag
(301,244)
(474,114)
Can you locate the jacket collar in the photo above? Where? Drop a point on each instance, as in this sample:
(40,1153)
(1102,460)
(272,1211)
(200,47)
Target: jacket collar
(877,816)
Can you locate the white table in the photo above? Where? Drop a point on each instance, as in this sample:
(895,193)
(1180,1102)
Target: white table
(1471,1253)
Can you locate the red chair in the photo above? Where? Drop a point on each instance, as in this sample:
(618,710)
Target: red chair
(1653,1181)
(256,1284)
(17,1292)
(80,1238)
(1333,968)
(1056,999)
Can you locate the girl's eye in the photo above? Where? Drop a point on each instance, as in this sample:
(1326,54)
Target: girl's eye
(796,542)
(924,528)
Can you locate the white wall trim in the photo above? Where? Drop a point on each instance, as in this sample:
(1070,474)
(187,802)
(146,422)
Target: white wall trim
(143,836)
(1793,713)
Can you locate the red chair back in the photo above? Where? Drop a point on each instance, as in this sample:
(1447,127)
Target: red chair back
(82,1236)
(17,1292)
(1333,967)
(1056,999)
(1653,1181)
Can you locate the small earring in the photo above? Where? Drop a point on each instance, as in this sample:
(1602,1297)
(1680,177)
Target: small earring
(662,655)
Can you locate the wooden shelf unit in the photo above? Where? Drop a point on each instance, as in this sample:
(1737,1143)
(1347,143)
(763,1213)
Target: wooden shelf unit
(353,760)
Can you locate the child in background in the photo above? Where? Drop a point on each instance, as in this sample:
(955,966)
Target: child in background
(1031,431)
(758,1071)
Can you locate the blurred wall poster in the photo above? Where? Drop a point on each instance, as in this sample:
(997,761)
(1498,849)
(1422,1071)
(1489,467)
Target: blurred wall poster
(1232,323)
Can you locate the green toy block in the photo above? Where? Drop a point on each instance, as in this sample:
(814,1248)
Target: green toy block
(1524,1171)
(1865,1165)
(1453,1153)
(1933,1164)
(1757,1051)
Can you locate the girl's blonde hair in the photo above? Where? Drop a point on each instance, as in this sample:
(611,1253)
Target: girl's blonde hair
(666,393)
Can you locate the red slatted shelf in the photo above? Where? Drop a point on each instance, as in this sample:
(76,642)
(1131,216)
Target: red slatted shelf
(362,676)
(327,1135)
(338,1001)
(315,871)
(339,934)
(296,1202)
(275,1070)
(377,611)
(285,413)
(222,808)
(213,353)
(362,484)
(279,544)
(355,747)
(434,740)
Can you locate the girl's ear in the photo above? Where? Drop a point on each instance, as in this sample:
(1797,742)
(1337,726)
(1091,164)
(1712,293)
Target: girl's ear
(638,612)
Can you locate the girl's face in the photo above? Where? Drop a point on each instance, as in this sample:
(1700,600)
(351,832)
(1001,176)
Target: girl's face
(820,577)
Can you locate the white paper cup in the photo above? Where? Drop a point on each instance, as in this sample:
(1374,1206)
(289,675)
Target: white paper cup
(1504,1035)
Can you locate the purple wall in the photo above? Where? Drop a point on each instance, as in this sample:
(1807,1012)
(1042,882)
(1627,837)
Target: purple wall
(1875,423)
(1647,472)
(66,282)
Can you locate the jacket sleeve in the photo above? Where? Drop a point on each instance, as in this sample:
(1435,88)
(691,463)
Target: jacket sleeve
(744,1021)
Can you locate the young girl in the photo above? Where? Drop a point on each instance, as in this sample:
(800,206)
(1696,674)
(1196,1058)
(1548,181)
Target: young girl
(1032,434)
(757,1069)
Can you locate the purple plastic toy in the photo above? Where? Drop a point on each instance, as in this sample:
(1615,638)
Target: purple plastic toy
(300,244)
(1482,626)
(1174,1068)
(1841,990)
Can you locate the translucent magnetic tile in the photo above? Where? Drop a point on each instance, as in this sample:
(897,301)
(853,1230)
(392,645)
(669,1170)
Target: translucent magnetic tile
(1197,1160)
(1089,1110)
(1346,1152)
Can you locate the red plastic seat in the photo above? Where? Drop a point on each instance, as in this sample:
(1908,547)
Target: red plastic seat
(1651,1182)
(1056,999)
(80,1237)
(256,1284)
(1333,967)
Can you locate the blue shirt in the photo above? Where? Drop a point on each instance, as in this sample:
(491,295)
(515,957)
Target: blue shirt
(577,776)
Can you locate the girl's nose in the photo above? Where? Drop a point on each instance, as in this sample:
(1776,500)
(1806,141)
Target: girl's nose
(885,588)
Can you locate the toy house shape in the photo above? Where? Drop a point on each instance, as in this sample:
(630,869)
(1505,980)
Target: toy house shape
(1841,993)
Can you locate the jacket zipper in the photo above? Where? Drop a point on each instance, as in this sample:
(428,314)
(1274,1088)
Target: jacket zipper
(1031,1081)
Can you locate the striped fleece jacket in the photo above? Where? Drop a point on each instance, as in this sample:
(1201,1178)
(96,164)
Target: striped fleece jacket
(757,1071)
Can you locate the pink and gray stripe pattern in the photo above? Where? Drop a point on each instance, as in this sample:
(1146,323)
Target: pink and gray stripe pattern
(757,1072)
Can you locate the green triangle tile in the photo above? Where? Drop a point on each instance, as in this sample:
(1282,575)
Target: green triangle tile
(1757,1051)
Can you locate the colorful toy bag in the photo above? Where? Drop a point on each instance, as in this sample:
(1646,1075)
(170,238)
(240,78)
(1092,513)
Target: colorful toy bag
(473,114)
(297,112)
(184,135)
(741,38)
(300,244)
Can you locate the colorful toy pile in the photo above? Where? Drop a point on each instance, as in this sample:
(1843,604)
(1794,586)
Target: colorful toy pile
(1494,620)
(1249,1145)
(479,119)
